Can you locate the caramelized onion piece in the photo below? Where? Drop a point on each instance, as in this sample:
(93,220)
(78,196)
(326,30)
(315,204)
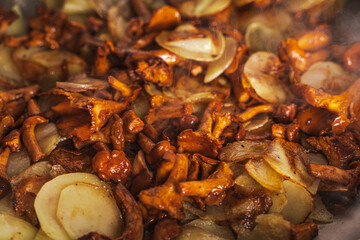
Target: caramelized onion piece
(201,8)
(217,67)
(329,76)
(243,150)
(261,76)
(208,47)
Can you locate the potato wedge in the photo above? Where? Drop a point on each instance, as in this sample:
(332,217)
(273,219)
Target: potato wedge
(15,228)
(78,211)
(265,175)
(289,159)
(299,203)
(46,201)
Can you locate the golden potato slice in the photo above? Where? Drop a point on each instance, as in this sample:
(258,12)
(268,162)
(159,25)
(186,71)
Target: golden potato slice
(15,228)
(46,201)
(289,159)
(265,175)
(299,203)
(79,213)
(195,233)
(40,235)
(320,213)
(268,227)
(279,201)
(203,229)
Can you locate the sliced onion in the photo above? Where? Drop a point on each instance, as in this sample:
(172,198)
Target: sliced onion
(259,37)
(260,75)
(243,150)
(77,7)
(200,8)
(257,122)
(45,67)
(82,84)
(9,72)
(206,49)
(18,27)
(217,67)
(117,16)
(41,169)
(6,205)
(102,6)
(18,162)
(300,5)
(329,76)
(47,137)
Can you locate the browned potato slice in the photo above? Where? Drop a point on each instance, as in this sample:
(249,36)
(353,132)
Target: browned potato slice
(265,175)
(268,227)
(299,203)
(289,159)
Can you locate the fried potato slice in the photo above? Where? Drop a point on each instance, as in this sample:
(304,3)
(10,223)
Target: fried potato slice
(289,160)
(46,202)
(299,203)
(265,175)
(15,228)
(78,211)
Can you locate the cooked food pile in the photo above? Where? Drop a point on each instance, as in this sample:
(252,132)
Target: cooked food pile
(198,119)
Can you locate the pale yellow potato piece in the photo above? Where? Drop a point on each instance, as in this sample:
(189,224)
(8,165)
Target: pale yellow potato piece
(268,227)
(196,233)
(289,159)
(47,199)
(40,235)
(15,228)
(279,201)
(299,203)
(265,175)
(85,208)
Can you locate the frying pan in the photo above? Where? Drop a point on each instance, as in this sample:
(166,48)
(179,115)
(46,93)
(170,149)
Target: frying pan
(346,223)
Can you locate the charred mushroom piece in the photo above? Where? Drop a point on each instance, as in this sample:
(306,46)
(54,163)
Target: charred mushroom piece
(134,228)
(24,197)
